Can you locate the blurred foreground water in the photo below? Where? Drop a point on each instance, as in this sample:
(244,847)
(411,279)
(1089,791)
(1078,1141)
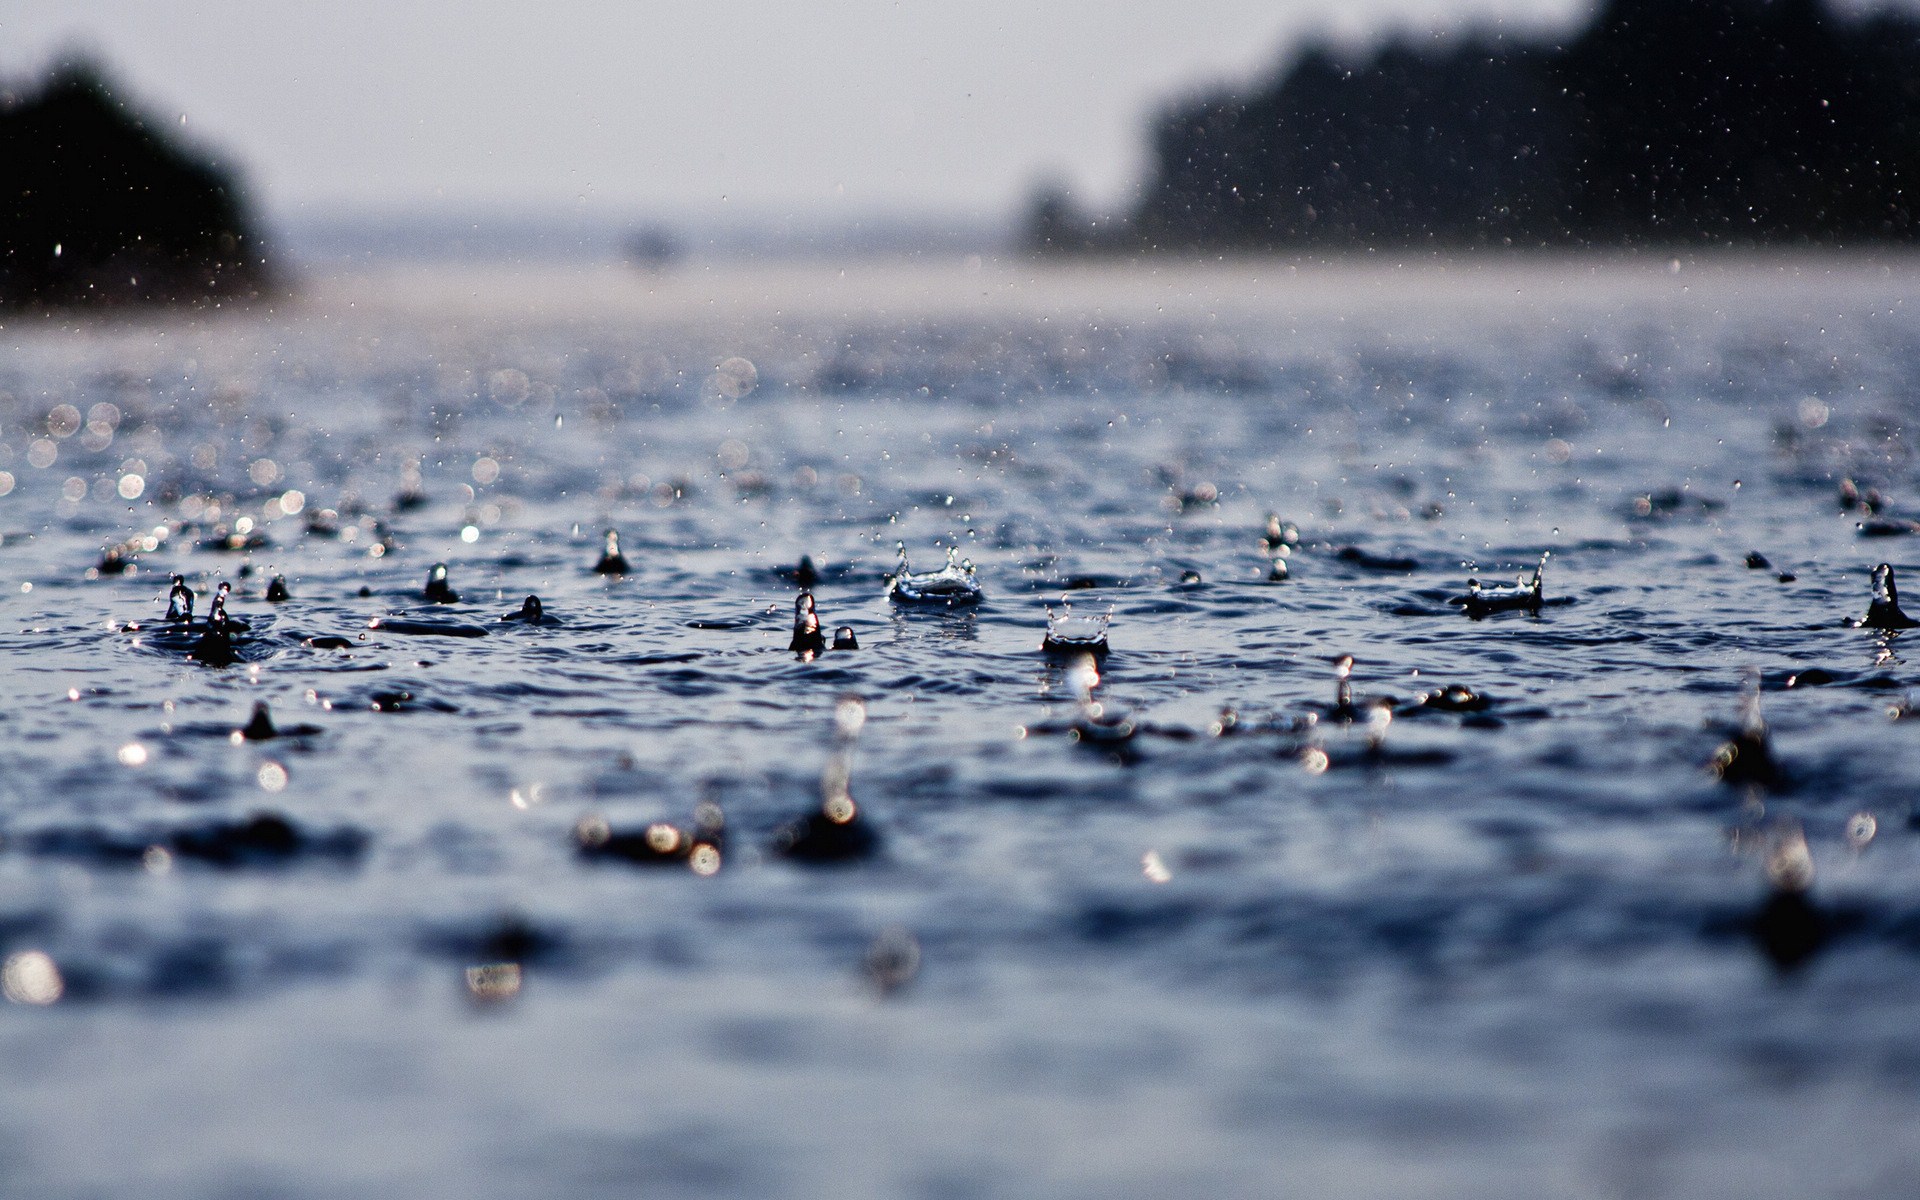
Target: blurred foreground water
(1168,921)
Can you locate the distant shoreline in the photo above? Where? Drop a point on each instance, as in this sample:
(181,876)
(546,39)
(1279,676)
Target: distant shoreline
(765,298)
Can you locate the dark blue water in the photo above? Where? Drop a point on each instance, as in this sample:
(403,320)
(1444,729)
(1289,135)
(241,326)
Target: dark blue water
(1170,923)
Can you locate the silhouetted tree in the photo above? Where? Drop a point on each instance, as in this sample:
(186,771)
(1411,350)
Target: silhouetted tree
(97,208)
(1670,121)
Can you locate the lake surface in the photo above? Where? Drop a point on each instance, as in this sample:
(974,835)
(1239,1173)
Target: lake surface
(1516,949)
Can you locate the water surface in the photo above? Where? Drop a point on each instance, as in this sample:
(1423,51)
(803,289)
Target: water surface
(1506,952)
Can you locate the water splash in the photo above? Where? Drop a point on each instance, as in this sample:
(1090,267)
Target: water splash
(1069,632)
(216,643)
(438,589)
(1789,926)
(532,612)
(1522,595)
(260,727)
(951,586)
(1746,758)
(698,847)
(1097,725)
(1456,698)
(180,602)
(612,562)
(1343,709)
(1378,720)
(1883,611)
(1280,534)
(217,611)
(807,639)
(837,831)
(114,560)
(803,573)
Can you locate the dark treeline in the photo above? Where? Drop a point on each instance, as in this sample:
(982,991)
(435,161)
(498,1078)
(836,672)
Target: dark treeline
(99,207)
(1663,122)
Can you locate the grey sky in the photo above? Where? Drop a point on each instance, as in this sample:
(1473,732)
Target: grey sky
(854,105)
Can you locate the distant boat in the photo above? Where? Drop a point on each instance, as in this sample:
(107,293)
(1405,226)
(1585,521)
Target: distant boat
(652,248)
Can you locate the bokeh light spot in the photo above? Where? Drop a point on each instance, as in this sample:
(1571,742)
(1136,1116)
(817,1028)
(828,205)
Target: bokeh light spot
(31,977)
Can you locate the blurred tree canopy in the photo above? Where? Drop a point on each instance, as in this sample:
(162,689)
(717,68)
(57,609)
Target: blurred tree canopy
(1662,122)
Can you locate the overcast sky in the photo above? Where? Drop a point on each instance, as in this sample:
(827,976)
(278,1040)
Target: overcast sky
(804,106)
